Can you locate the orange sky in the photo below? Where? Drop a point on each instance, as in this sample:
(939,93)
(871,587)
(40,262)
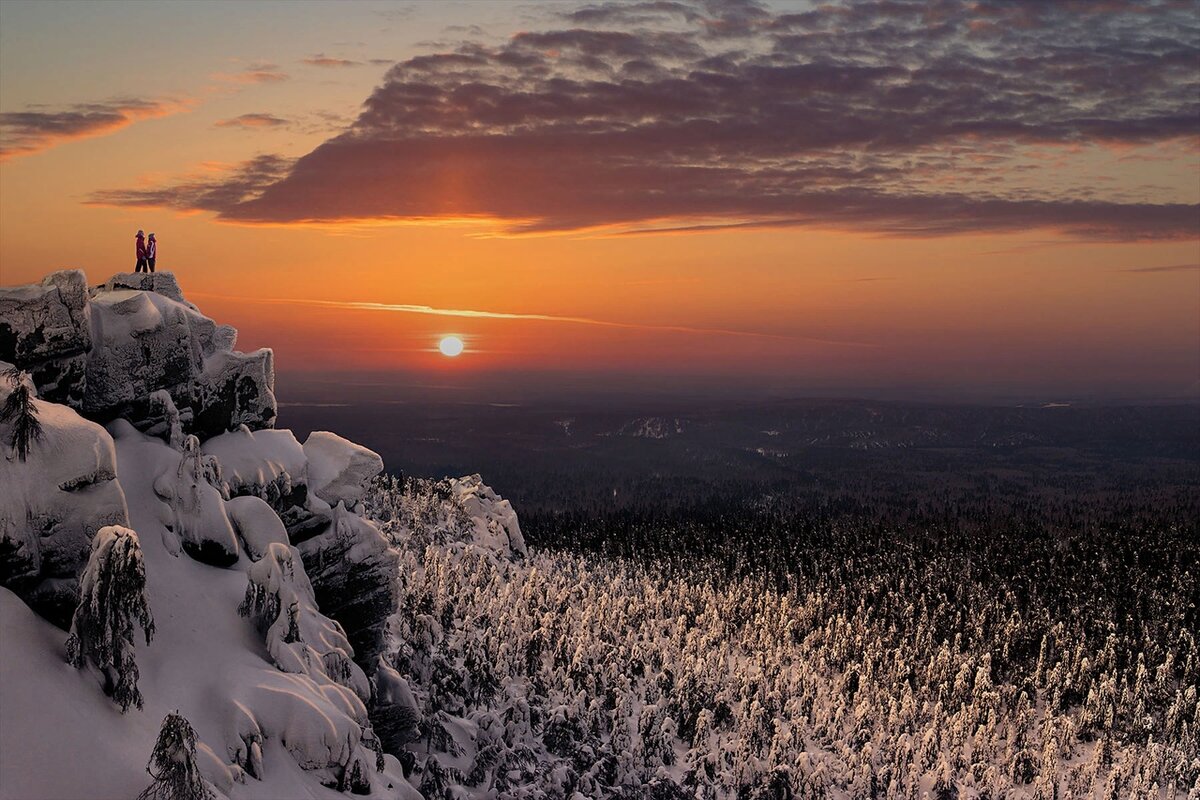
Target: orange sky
(1021,310)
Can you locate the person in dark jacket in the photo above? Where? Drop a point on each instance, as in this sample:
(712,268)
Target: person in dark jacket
(151,252)
(141,253)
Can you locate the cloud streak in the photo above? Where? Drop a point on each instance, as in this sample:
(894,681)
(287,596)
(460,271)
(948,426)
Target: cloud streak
(408,308)
(1169,268)
(901,118)
(37,128)
(252,121)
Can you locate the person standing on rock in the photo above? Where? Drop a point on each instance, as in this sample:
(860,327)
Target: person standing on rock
(151,252)
(141,253)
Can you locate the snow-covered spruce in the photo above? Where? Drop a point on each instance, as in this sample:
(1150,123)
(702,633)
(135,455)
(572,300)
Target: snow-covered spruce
(19,413)
(112,601)
(563,674)
(173,764)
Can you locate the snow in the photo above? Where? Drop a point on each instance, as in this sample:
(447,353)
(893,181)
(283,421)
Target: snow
(338,469)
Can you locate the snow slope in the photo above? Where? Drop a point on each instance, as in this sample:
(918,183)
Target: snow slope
(205,661)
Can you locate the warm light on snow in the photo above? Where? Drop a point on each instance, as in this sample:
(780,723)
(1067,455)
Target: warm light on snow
(450,346)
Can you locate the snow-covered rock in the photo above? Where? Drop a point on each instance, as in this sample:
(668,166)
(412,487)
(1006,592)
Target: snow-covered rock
(45,329)
(338,469)
(107,351)
(493,520)
(354,572)
(52,504)
(269,464)
(191,488)
(256,524)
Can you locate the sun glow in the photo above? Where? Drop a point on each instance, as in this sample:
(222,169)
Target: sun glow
(450,346)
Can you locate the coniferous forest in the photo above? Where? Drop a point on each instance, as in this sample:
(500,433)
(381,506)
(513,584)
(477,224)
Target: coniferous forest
(859,647)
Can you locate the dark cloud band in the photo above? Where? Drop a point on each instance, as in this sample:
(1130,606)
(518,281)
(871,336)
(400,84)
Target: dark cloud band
(903,118)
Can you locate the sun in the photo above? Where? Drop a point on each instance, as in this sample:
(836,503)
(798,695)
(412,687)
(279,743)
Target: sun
(450,346)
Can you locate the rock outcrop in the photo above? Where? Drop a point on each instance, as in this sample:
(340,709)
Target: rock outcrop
(52,504)
(45,329)
(494,523)
(108,351)
(339,469)
(353,570)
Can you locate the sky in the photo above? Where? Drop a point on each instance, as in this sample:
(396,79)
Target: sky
(949,199)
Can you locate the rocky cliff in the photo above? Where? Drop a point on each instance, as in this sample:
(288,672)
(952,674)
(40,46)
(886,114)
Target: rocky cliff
(127,347)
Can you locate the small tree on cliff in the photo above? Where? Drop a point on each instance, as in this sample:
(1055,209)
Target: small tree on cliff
(112,598)
(173,764)
(20,412)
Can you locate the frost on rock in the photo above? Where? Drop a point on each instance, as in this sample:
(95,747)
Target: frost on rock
(199,519)
(52,504)
(303,641)
(338,469)
(106,351)
(44,329)
(112,600)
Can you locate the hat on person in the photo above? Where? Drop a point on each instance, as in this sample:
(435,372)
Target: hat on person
(139,233)
(152,236)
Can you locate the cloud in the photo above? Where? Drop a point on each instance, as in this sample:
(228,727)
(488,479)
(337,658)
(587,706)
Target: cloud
(1171,268)
(259,72)
(37,129)
(408,308)
(899,118)
(252,121)
(322,60)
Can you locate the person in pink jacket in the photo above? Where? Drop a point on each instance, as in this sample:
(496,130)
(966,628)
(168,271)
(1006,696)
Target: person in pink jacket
(141,253)
(151,252)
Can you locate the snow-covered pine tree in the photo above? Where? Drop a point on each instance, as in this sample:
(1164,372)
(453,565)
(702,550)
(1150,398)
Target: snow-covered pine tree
(112,599)
(173,764)
(20,413)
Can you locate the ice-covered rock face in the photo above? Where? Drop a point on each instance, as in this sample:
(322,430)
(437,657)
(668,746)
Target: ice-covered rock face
(339,469)
(107,351)
(52,504)
(45,330)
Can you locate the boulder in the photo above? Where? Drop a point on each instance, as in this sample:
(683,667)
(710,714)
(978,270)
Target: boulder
(339,469)
(163,283)
(256,523)
(52,504)
(45,330)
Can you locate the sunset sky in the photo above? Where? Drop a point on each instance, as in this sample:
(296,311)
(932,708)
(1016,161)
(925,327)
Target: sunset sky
(991,200)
